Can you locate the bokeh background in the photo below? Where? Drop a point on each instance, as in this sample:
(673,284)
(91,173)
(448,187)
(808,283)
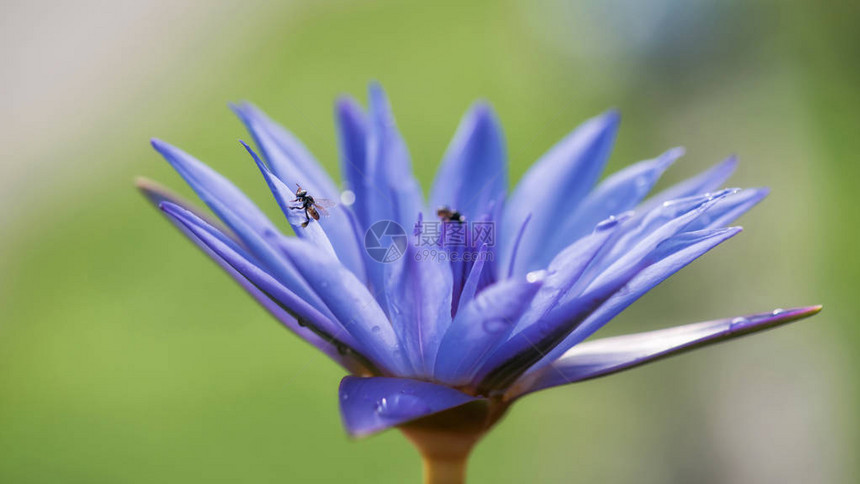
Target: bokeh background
(126,356)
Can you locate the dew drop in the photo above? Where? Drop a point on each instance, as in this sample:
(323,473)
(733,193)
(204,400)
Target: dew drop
(347,197)
(401,405)
(740,320)
(536,276)
(607,224)
(376,329)
(777,311)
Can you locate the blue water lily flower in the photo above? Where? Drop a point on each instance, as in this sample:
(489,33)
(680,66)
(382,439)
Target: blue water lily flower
(444,313)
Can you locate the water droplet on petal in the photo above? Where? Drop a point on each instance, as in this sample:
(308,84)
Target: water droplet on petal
(376,329)
(777,311)
(401,405)
(536,276)
(607,224)
(740,320)
(347,197)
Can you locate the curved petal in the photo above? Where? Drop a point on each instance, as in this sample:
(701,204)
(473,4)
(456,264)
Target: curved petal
(473,177)
(391,192)
(565,271)
(350,302)
(684,249)
(293,311)
(395,194)
(370,405)
(288,158)
(730,208)
(707,181)
(252,227)
(606,356)
(486,320)
(353,131)
(157,193)
(473,279)
(668,222)
(642,232)
(284,196)
(619,193)
(418,290)
(556,184)
(531,345)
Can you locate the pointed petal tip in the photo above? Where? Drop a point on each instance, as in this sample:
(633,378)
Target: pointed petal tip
(776,317)
(145,184)
(611,117)
(375,90)
(673,154)
(809,310)
(483,108)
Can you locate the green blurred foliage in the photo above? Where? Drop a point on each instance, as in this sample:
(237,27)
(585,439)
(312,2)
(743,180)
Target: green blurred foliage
(126,356)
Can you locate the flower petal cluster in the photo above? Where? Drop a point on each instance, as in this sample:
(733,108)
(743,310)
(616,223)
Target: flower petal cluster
(497,317)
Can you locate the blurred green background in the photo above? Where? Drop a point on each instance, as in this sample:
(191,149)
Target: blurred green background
(126,356)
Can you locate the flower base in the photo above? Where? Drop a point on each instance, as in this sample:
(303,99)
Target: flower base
(446,439)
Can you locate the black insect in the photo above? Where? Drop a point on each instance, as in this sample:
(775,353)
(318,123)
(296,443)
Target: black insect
(448,215)
(313,208)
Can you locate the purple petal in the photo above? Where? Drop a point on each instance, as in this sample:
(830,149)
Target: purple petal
(707,181)
(473,177)
(293,164)
(619,193)
(353,131)
(313,233)
(678,220)
(288,158)
(605,356)
(350,302)
(513,357)
(557,183)
(157,193)
(370,405)
(395,194)
(565,271)
(531,345)
(687,247)
(418,291)
(477,329)
(474,278)
(642,233)
(255,231)
(293,311)
(509,266)
(730,208)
